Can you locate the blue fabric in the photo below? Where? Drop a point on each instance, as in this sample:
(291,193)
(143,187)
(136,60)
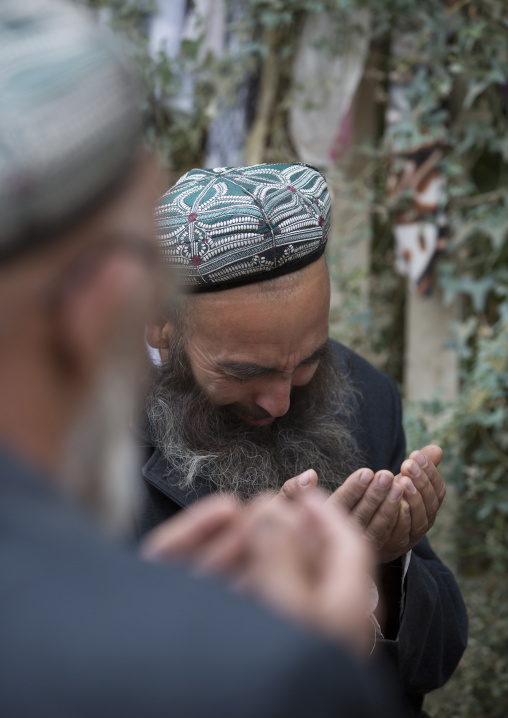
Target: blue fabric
(86,629)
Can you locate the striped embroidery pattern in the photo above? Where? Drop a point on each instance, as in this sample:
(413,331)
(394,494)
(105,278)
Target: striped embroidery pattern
(223,224)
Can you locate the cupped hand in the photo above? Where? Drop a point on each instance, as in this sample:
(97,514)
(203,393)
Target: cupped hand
(394,512)
(374,501)
(294,555)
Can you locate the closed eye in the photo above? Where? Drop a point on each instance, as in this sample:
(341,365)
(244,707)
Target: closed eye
(244,372)
(320,353)
(308,362)
(238,379)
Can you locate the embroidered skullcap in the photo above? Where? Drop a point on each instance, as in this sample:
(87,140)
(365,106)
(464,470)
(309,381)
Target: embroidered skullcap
(229,226)
(69,119)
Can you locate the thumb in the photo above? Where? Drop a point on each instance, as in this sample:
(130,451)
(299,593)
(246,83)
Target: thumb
(277,571)
(299,484)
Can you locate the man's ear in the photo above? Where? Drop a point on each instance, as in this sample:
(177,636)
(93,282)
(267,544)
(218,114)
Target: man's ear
(159,332)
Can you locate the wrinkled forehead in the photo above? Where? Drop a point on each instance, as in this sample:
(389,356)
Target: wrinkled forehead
(286,315)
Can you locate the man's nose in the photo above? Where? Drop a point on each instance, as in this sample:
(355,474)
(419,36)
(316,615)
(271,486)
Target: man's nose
(275,396)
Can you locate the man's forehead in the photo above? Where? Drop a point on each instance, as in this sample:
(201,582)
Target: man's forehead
(267,329)
(309,283)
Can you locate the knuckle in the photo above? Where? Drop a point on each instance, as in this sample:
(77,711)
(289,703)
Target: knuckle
(401,543)
(422,527)
(348,493)
(373,501)
(383,534)
(370,534)
(363,513)
(373,541)
(289,489)
(360,518)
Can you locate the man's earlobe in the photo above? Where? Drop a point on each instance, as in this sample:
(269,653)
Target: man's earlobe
(159,333)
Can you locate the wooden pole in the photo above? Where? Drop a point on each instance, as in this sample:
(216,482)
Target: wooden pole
(269,81)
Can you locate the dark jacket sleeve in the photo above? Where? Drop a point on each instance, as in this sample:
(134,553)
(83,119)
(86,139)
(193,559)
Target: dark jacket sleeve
(433,631)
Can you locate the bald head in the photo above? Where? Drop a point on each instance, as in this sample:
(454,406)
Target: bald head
(183,307)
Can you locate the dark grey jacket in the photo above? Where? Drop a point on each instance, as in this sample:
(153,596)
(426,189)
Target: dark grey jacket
(87,630)
(433,632)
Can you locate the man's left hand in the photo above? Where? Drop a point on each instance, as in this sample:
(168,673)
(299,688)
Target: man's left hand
(424,491)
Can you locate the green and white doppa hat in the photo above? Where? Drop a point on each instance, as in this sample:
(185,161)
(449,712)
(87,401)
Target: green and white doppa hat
(229,226)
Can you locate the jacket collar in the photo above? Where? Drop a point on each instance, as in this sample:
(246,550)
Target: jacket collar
(166,479)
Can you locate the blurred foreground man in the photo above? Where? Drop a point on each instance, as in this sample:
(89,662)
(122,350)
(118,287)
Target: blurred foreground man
(86,629)
(252,392)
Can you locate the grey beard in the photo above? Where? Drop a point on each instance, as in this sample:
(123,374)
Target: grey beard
(202,440)
(101,455)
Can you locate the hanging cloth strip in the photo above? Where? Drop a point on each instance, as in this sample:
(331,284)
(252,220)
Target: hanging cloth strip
(416,188)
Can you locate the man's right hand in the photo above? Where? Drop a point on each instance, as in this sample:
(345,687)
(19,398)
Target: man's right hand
(298,485)
(375,502)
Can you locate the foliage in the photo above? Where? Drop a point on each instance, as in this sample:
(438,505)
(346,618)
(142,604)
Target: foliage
(175,133)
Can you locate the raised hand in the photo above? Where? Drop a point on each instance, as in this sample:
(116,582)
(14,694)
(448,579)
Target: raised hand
(294,555)
(210,535)
(423,493)
(312,567)
(429,489)
(375,502)
(394,512)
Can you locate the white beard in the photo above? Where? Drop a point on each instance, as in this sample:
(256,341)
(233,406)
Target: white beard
(100,470)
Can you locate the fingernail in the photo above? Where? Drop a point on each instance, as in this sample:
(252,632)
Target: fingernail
(395,493)
(385,480)
(304,479)
(410,487)
(365,477)
(414,469)
(405,506)
(420,458)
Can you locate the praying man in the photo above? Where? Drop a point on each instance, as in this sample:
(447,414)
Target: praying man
(252,395)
